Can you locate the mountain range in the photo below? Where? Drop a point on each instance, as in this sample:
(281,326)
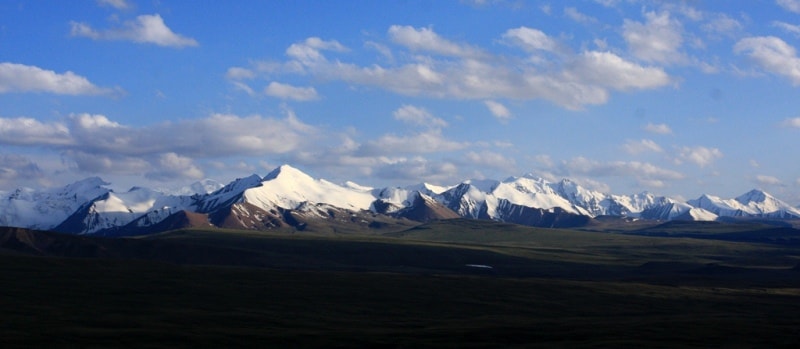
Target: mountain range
(290,198)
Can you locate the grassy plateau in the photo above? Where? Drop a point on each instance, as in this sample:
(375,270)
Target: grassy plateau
(454,283)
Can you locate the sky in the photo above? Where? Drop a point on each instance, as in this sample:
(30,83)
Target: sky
(677,98)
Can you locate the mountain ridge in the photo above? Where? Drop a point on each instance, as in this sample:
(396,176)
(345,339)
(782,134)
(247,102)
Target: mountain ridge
(289,198)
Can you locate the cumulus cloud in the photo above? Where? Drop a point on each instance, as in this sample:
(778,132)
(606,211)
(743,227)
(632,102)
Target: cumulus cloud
(149,29)
(491,159)
(791,28)
(466,72)
(530,39)
(431,141)
(92,162)
(641,146)
(418,116)
(425,39)
(93,143)
(791,122)
(575,15)
(14,168)
(658,40)
(213,136)
(644,173)
(773,55)
(790,5)
(722,24)
(117,4)
(416,169)
(171,166)
(309,51)
(239,73)
(26,78)
(700,156)
(608,69)
(498,110)
(662,129)
(29,131)
(767,180)
(285,91)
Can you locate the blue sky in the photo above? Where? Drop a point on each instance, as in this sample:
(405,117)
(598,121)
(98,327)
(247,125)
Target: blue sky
(676,98)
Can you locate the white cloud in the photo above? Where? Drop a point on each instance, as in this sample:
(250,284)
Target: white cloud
(608,69)
(644,173)
(239,73)
(308,51)
(431,141)
(172,166)
(284,91)
(218,135)
(498,110)
(491,159)
(658,40)
(26,78)
(15,168)
(117,4)
(545,160)
(417,169)
(662,129)
(791,28)
(722,24)
(701,156)
(791,122)
(641,146)
(767,180)
(418,116)
(771,54)
(571,81)
(28,131)
(91,162)
(789,5)
(607,3)
(145,29)
(575,15)
(530,39)
(244,87)
(425,39)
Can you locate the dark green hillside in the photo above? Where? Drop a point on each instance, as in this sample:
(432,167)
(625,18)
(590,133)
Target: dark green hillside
(454,283)
(754,232)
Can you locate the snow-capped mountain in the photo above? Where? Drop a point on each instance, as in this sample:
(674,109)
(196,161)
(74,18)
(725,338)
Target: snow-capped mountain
(113,210)
(45,209)
(755,203)
(287,187)
(289,197)
(469,199)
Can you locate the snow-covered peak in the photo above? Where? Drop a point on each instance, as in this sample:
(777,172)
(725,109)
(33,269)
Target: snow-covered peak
(484,185)
(356,186)
(239,185)
(46,208)
(533,192)
(86,187)
(699,214)
(288,187)
(755,203)
(428,189)
(755,195)
(286,171)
